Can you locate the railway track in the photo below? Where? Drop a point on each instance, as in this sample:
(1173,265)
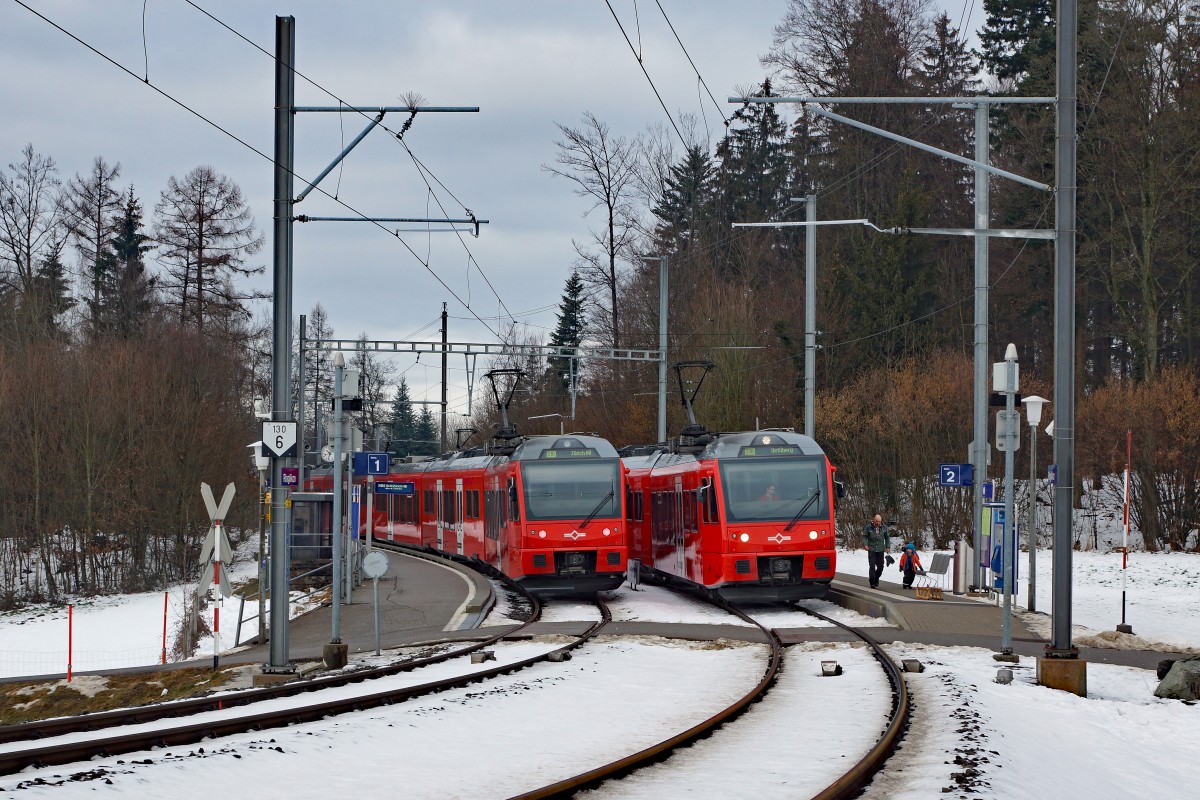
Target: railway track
(141,714)
(848,785)
(662,750)
(854,779)
(73,747)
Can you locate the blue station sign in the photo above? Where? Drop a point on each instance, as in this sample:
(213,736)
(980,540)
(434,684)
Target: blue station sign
(371,463)
(394,487)
(956,475)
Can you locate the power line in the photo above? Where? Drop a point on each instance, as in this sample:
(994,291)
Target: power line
(397,135)
(693,63)
(245,144)
(638,57)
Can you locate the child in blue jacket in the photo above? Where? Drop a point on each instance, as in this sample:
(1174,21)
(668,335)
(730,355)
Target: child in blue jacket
(910,562)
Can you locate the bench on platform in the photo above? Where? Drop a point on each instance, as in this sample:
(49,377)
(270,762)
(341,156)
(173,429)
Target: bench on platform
(928,588)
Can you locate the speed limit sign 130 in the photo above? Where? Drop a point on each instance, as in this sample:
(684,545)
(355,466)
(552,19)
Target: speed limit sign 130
(279,438)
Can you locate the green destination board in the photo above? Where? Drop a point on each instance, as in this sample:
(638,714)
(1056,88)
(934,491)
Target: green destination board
(570,452)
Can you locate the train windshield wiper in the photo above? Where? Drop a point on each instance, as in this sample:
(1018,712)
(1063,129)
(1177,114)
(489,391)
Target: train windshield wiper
(816,493)
(599,506)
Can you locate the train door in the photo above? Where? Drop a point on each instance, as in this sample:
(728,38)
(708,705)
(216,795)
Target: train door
(680,561)
(493,525)
(458,513)
(440,504)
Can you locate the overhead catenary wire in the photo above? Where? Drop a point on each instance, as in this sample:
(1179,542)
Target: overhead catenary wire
(245,144)
(650,80)
(398,136)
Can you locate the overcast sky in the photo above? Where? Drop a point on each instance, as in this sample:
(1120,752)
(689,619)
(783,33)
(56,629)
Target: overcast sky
(526,65)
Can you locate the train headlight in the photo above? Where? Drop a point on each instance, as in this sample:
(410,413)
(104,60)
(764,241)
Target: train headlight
(813,534)
(541,534)
(606,531)
(745,537)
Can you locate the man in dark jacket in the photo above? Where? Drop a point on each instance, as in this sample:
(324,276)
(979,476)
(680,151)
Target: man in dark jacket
(877,543)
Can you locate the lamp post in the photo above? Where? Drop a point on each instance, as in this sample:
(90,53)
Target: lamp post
(1033,415)
(262,464)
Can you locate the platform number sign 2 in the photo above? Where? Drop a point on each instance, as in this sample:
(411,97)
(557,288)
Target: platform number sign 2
(955,475)
(279,438)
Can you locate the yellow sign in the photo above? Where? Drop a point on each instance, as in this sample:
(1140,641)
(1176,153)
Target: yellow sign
(287,503)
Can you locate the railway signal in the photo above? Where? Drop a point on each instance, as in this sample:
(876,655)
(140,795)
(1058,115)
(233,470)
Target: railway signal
(216,551)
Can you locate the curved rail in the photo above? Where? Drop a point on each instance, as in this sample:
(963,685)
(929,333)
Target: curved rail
(859,775)
(150,713)
(662,750)
(64,753)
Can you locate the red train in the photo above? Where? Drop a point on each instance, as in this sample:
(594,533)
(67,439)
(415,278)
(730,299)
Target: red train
(748,516)
(547,512)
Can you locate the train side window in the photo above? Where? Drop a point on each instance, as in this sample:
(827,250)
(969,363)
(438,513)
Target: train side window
(629,503)
(514,508)
(638,510)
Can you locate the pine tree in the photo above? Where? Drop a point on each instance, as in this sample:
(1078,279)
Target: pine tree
(569,332)
(403,422)
(686,201)
(752,172)
(127,300)
(51,297)
(426,442)
(1016,36)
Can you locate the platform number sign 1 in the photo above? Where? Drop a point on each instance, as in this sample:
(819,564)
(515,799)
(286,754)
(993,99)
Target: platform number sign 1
(279,438)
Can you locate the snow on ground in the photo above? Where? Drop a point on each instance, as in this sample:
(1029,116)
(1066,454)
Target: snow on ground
(971,737)
(121,630)
(1162,595)
(1027,741)
(522,731)
(774,740)
(656,604)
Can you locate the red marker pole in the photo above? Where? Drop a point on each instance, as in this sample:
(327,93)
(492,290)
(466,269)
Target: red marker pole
(164,647)
(1124,627)
(70,638)
(217,607)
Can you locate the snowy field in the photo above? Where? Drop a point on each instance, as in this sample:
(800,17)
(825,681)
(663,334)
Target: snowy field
(1162,596)
(970,737)
(119,631)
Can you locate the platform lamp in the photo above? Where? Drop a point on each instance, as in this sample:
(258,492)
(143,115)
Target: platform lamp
(261,463)
(1033,414)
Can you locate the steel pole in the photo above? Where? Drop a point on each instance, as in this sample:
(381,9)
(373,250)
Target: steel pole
(1064,328)
(339,367)
(810,317)
(285,88)
(662,348)
(262,560)
(445,356)
(1032,603)
(979,457)
(1011,434)
(300,405)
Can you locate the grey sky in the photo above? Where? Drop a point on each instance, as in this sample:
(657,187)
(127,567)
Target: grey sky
(526,64)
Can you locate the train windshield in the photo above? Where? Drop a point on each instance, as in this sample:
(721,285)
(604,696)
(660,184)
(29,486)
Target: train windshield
(774,488)
(571,490)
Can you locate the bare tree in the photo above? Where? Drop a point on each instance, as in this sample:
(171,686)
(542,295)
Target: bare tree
(375,376)
(205,231)
(29,219)
(91,208)
(603,168)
